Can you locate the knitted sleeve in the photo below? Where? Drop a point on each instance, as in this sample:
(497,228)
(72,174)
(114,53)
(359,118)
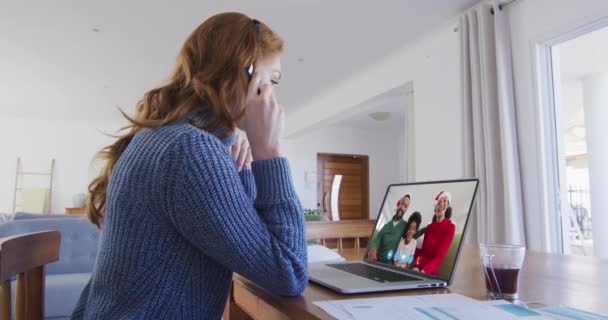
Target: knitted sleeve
(79,310)
(248,183)
(264,240)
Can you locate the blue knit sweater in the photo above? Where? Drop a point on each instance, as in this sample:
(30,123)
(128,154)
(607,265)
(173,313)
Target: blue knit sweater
(180,219)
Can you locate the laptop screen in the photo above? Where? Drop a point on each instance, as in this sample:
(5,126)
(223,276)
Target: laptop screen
(421,226)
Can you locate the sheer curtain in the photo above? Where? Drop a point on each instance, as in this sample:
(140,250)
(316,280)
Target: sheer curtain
(490,135)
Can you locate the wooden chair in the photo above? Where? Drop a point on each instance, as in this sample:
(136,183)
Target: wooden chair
(25,256)
(320,230)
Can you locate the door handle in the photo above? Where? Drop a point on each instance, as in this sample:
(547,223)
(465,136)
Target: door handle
(325,201)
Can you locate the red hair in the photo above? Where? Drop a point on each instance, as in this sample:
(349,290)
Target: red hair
(209,77)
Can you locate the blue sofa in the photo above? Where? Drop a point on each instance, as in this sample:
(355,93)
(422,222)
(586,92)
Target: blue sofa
(65,278)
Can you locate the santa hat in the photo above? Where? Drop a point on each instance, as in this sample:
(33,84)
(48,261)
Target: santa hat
(443,194)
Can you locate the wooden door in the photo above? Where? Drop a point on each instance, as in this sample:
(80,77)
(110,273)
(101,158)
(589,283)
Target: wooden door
(353,193)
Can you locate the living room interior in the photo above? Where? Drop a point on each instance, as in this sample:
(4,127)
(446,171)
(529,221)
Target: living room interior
(408,91)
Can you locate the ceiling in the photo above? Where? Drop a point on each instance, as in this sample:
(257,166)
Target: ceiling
(394,102)
(53,66)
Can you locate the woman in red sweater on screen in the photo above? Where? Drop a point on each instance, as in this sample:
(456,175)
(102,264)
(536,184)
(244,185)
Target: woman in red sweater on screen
(437,237)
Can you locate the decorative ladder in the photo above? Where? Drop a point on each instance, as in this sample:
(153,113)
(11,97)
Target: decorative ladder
(20,174)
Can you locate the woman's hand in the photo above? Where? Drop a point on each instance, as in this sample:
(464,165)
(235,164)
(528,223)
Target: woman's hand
(241,153)
(264,119)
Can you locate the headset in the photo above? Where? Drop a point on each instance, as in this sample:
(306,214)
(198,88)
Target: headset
(251,68)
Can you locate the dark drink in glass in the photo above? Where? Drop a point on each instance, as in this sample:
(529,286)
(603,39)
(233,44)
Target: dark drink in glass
(501,266)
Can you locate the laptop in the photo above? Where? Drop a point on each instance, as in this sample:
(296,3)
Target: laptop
(415,243)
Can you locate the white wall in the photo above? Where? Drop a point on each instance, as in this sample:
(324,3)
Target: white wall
(380,147)
(535,22)
(432,64)
(72,144)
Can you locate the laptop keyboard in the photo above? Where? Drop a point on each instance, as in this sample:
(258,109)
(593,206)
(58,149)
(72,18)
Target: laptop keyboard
(371,272)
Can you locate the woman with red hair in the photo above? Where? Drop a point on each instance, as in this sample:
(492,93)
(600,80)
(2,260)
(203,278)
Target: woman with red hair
(438,236)
(181,203)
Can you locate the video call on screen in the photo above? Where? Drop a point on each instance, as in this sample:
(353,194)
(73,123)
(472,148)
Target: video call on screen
(420,227)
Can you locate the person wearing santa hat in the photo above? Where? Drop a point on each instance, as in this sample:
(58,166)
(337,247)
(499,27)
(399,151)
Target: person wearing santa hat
(438,236)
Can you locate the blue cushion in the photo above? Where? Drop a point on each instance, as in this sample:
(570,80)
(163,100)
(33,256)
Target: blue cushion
(26,215)
(61,293)
(79,241)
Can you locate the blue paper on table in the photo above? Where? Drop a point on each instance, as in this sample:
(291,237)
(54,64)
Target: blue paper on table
(517,310)
(567,313)
(520,311)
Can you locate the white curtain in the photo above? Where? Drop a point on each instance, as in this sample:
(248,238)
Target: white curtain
(490,141)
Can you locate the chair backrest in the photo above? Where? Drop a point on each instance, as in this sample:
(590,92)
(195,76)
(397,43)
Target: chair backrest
(79,241)
(314,217)
(339,230)
(25,256)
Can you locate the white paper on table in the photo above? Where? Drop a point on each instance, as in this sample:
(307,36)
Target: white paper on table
(331,309)
(422,307)
(319,253)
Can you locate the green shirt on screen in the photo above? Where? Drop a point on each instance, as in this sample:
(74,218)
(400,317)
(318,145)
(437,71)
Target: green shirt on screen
(387,239)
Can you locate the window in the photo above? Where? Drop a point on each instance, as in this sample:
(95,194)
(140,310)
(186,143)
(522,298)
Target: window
(580,89)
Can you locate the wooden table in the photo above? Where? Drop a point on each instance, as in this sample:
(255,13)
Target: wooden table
(548,279)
